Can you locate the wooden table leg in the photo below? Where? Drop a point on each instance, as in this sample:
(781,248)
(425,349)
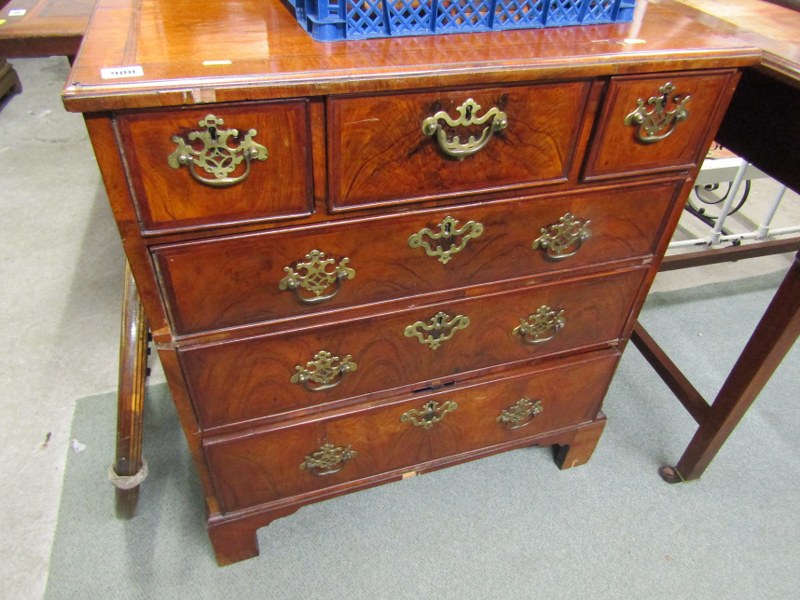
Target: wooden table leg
(771,340)
(129,468)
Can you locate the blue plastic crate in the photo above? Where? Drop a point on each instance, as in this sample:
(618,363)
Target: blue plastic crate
(333,20)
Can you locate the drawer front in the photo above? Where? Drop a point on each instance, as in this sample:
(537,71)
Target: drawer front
(402,147)
(298,459)
(242,279)
(268,375)
(219,165)
(658,123)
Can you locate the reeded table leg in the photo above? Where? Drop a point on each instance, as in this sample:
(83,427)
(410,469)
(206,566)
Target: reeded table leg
(129,468)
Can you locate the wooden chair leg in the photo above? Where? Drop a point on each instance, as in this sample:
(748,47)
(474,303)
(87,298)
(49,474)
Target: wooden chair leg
(129,468)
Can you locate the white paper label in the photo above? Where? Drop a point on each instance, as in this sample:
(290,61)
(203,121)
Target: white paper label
(121,72)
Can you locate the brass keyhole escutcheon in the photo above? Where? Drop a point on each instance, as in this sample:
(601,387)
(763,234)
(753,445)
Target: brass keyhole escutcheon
(437,330)
(449,240)
(430,414)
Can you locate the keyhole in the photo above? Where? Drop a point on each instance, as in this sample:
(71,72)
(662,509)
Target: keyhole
(212,131)
(430,412)
(469,113)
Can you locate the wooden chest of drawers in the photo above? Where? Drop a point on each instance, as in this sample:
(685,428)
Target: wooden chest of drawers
(364,260)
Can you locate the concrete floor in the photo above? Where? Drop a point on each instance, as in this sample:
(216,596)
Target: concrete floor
(60,290)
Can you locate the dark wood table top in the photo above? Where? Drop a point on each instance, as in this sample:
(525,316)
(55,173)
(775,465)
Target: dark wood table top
(48,27)
(771,26)
(196,51)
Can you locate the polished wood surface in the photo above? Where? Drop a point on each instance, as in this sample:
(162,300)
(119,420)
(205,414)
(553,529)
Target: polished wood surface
(768,25)
(250,267)
(392,163)
(169,198)
(248,471)
(200,51)
(616,152)
(207,262)
(48,27)
(130,397)
(250,378)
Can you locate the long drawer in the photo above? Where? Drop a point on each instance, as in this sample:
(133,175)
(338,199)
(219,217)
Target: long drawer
(272,374)
(300,458)
(271,275)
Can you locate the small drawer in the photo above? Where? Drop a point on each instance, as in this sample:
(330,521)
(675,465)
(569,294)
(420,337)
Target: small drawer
(409,147)
(247,379)
(243,279)
(218,165)
(257,468)
(651,124)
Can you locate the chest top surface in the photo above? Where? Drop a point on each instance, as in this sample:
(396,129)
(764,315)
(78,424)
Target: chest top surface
(183,52)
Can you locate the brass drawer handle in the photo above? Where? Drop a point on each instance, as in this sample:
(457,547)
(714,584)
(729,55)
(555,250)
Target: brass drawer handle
(316,275)
(467,117)
(329,459)
(440,328)
(541,326)
(430,414)
(563,239)
(520,414)
(659,123)
(216,157)
(448,233)
(324,372)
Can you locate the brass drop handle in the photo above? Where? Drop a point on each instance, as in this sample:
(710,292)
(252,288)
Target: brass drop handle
(659,123)
(449,240)
(323,372)
(562,239)
(327,460)
(430,414)
(519,414)
(310,277)
(468,116)
(436,330)
(541,326)
(210,151)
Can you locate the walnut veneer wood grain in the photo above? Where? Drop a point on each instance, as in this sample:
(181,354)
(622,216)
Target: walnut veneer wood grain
(250,473)
(378,153)
(250,378)
(170,198)
(200,278)
(186,51)
(355,177)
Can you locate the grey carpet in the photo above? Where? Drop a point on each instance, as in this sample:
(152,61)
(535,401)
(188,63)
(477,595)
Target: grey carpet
(509,526)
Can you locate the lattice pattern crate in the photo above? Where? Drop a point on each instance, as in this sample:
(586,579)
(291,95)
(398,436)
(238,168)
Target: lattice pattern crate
(332,20)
